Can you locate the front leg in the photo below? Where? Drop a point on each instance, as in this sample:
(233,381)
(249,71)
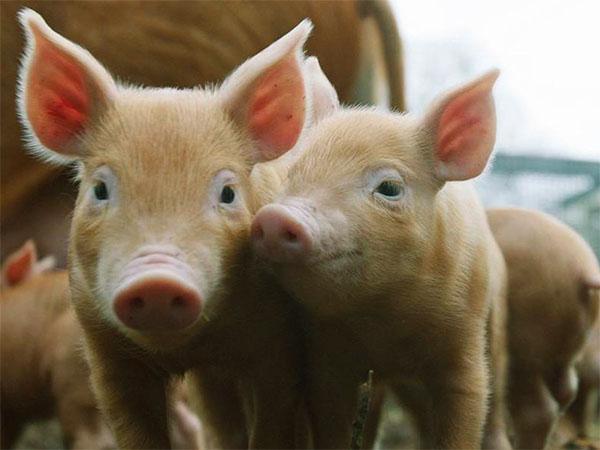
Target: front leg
(216,398)
(273,398)
(132,398)
(332,402)
(459,407)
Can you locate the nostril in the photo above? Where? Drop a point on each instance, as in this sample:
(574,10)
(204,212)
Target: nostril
(260,233)
(137,303)
(178,302)
(290,236)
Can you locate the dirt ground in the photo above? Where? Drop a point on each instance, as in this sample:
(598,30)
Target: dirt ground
(395,434)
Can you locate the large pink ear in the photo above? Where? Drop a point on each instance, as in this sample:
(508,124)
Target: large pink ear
(266,95)
(324,97)
(462,125)
(62,88)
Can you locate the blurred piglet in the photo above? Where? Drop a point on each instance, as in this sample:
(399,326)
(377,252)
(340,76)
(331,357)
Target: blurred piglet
(44,372)
(553,299)
(160,264)
(396,267)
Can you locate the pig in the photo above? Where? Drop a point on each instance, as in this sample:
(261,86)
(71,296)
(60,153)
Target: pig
(553,297)
(183,44)
(392,261)
(44,372)
(161,272)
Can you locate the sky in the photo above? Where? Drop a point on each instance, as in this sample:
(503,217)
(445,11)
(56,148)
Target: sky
(548,51)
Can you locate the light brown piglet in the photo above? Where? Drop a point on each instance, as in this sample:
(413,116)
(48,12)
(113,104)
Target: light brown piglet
(43,369)
(396,267)
(160,264)
(44,372)
(553,288)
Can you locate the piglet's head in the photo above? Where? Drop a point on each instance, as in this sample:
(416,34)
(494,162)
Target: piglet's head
(164,201)
(359,206)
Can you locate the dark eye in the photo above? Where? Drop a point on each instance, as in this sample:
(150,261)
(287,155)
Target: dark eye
(389,188)
(227,195)
(101,191)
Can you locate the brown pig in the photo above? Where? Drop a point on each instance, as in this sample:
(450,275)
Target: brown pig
(553,288)
(396,268)
(44,372)
(160,264)
(179,44)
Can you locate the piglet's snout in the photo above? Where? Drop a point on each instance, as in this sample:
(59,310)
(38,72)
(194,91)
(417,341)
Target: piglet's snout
(156,294)
(280,236)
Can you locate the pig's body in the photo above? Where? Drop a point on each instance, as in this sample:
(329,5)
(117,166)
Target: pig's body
(415,292)
(43,369)
(179,44)
(553,305)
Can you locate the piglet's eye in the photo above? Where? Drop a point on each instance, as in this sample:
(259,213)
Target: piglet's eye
(227,195)
(390,189)
(100,190)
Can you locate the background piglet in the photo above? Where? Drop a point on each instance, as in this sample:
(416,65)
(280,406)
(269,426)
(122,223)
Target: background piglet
(161,276)
(44,372)
(553,289)
(396,267)
(43,369)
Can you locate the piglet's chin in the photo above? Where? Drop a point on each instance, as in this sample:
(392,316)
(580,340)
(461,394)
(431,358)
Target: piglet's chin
(157,294)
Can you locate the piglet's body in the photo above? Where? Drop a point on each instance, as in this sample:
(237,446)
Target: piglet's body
(553,289)
(397,270)
(160,264)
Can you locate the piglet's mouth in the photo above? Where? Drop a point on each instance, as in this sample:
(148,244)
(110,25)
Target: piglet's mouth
(157,293)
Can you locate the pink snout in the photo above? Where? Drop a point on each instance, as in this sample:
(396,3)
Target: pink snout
(279,236)
(157,302)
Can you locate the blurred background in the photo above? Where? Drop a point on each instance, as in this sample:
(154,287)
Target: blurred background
(547,97)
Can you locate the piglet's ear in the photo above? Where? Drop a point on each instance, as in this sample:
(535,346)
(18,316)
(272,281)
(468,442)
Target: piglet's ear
(23,264)
(324,97)
(266,95)
(62,90)
(20,265)
(462,127)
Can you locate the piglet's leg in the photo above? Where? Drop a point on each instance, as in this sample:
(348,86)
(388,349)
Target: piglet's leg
(275,403)
(533,409)
(132,398)
(216,399)
(459,407)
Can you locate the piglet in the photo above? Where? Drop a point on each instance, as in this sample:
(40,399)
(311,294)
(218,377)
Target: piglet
(396,267)
(553,289)
(43,369)
(44,372)
(161,270)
